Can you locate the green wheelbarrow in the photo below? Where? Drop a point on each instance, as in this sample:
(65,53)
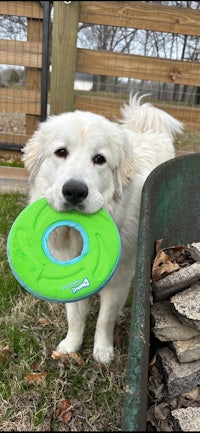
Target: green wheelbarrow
(170,210)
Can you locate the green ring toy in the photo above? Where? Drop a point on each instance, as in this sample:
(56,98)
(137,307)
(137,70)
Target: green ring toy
(62,281)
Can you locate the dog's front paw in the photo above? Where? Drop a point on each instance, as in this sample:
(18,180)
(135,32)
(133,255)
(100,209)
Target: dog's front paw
(67,346)
(103,354)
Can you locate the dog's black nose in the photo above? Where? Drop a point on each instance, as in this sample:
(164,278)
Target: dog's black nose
(74,191)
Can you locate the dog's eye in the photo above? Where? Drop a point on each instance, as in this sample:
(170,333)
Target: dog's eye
(99,159)
(61,153)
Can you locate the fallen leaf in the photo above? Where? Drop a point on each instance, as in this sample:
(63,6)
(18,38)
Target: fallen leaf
(169,260)
(35,378)
(161,257)
(67,357)
(64,406)
(4,349)
(158,245)
(35,366)
(168,267)
(162,266)
(180,254)
(153,360)
(67,417)
(77,358)
(59,356)
(43,321)
(64,411)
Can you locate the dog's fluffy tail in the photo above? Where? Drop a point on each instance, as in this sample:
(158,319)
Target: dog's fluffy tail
(146,117)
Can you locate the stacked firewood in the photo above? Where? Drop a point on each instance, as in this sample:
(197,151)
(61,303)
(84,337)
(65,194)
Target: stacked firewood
(174,375)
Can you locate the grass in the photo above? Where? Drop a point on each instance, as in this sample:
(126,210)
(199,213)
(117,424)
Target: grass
(11,163)
(39,393)
(188,142)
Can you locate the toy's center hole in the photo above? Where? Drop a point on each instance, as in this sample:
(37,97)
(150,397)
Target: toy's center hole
(65,243)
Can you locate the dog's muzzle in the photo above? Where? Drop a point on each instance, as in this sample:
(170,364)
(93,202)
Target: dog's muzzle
(74,191)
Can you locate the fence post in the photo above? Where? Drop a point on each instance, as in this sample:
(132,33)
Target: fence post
(33,75)
(64,42)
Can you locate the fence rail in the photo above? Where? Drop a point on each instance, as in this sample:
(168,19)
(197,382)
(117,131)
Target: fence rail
(28,9)
(138,67)
(141,16)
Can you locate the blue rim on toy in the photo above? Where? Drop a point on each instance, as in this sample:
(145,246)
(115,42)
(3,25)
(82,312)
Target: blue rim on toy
(66,223)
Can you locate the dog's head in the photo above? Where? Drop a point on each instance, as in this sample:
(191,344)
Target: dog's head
(78,160)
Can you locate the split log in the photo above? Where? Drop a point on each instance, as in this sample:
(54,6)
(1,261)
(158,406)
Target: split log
(175,282)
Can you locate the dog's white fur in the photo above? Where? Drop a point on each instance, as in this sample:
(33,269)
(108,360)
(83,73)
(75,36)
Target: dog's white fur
(112,160)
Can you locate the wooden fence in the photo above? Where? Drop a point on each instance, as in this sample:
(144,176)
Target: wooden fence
(24,99)
(67,59)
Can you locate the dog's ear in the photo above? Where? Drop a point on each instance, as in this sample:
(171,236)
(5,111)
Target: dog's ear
(32,154)
(125,172)
(117,183)
(126,168)
(123,156)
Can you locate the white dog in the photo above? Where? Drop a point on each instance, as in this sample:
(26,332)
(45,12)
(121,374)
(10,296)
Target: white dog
(83,161)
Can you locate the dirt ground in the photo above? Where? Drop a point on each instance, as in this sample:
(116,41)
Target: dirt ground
(12,123)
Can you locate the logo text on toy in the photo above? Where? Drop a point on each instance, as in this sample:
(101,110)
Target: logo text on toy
(85,283)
